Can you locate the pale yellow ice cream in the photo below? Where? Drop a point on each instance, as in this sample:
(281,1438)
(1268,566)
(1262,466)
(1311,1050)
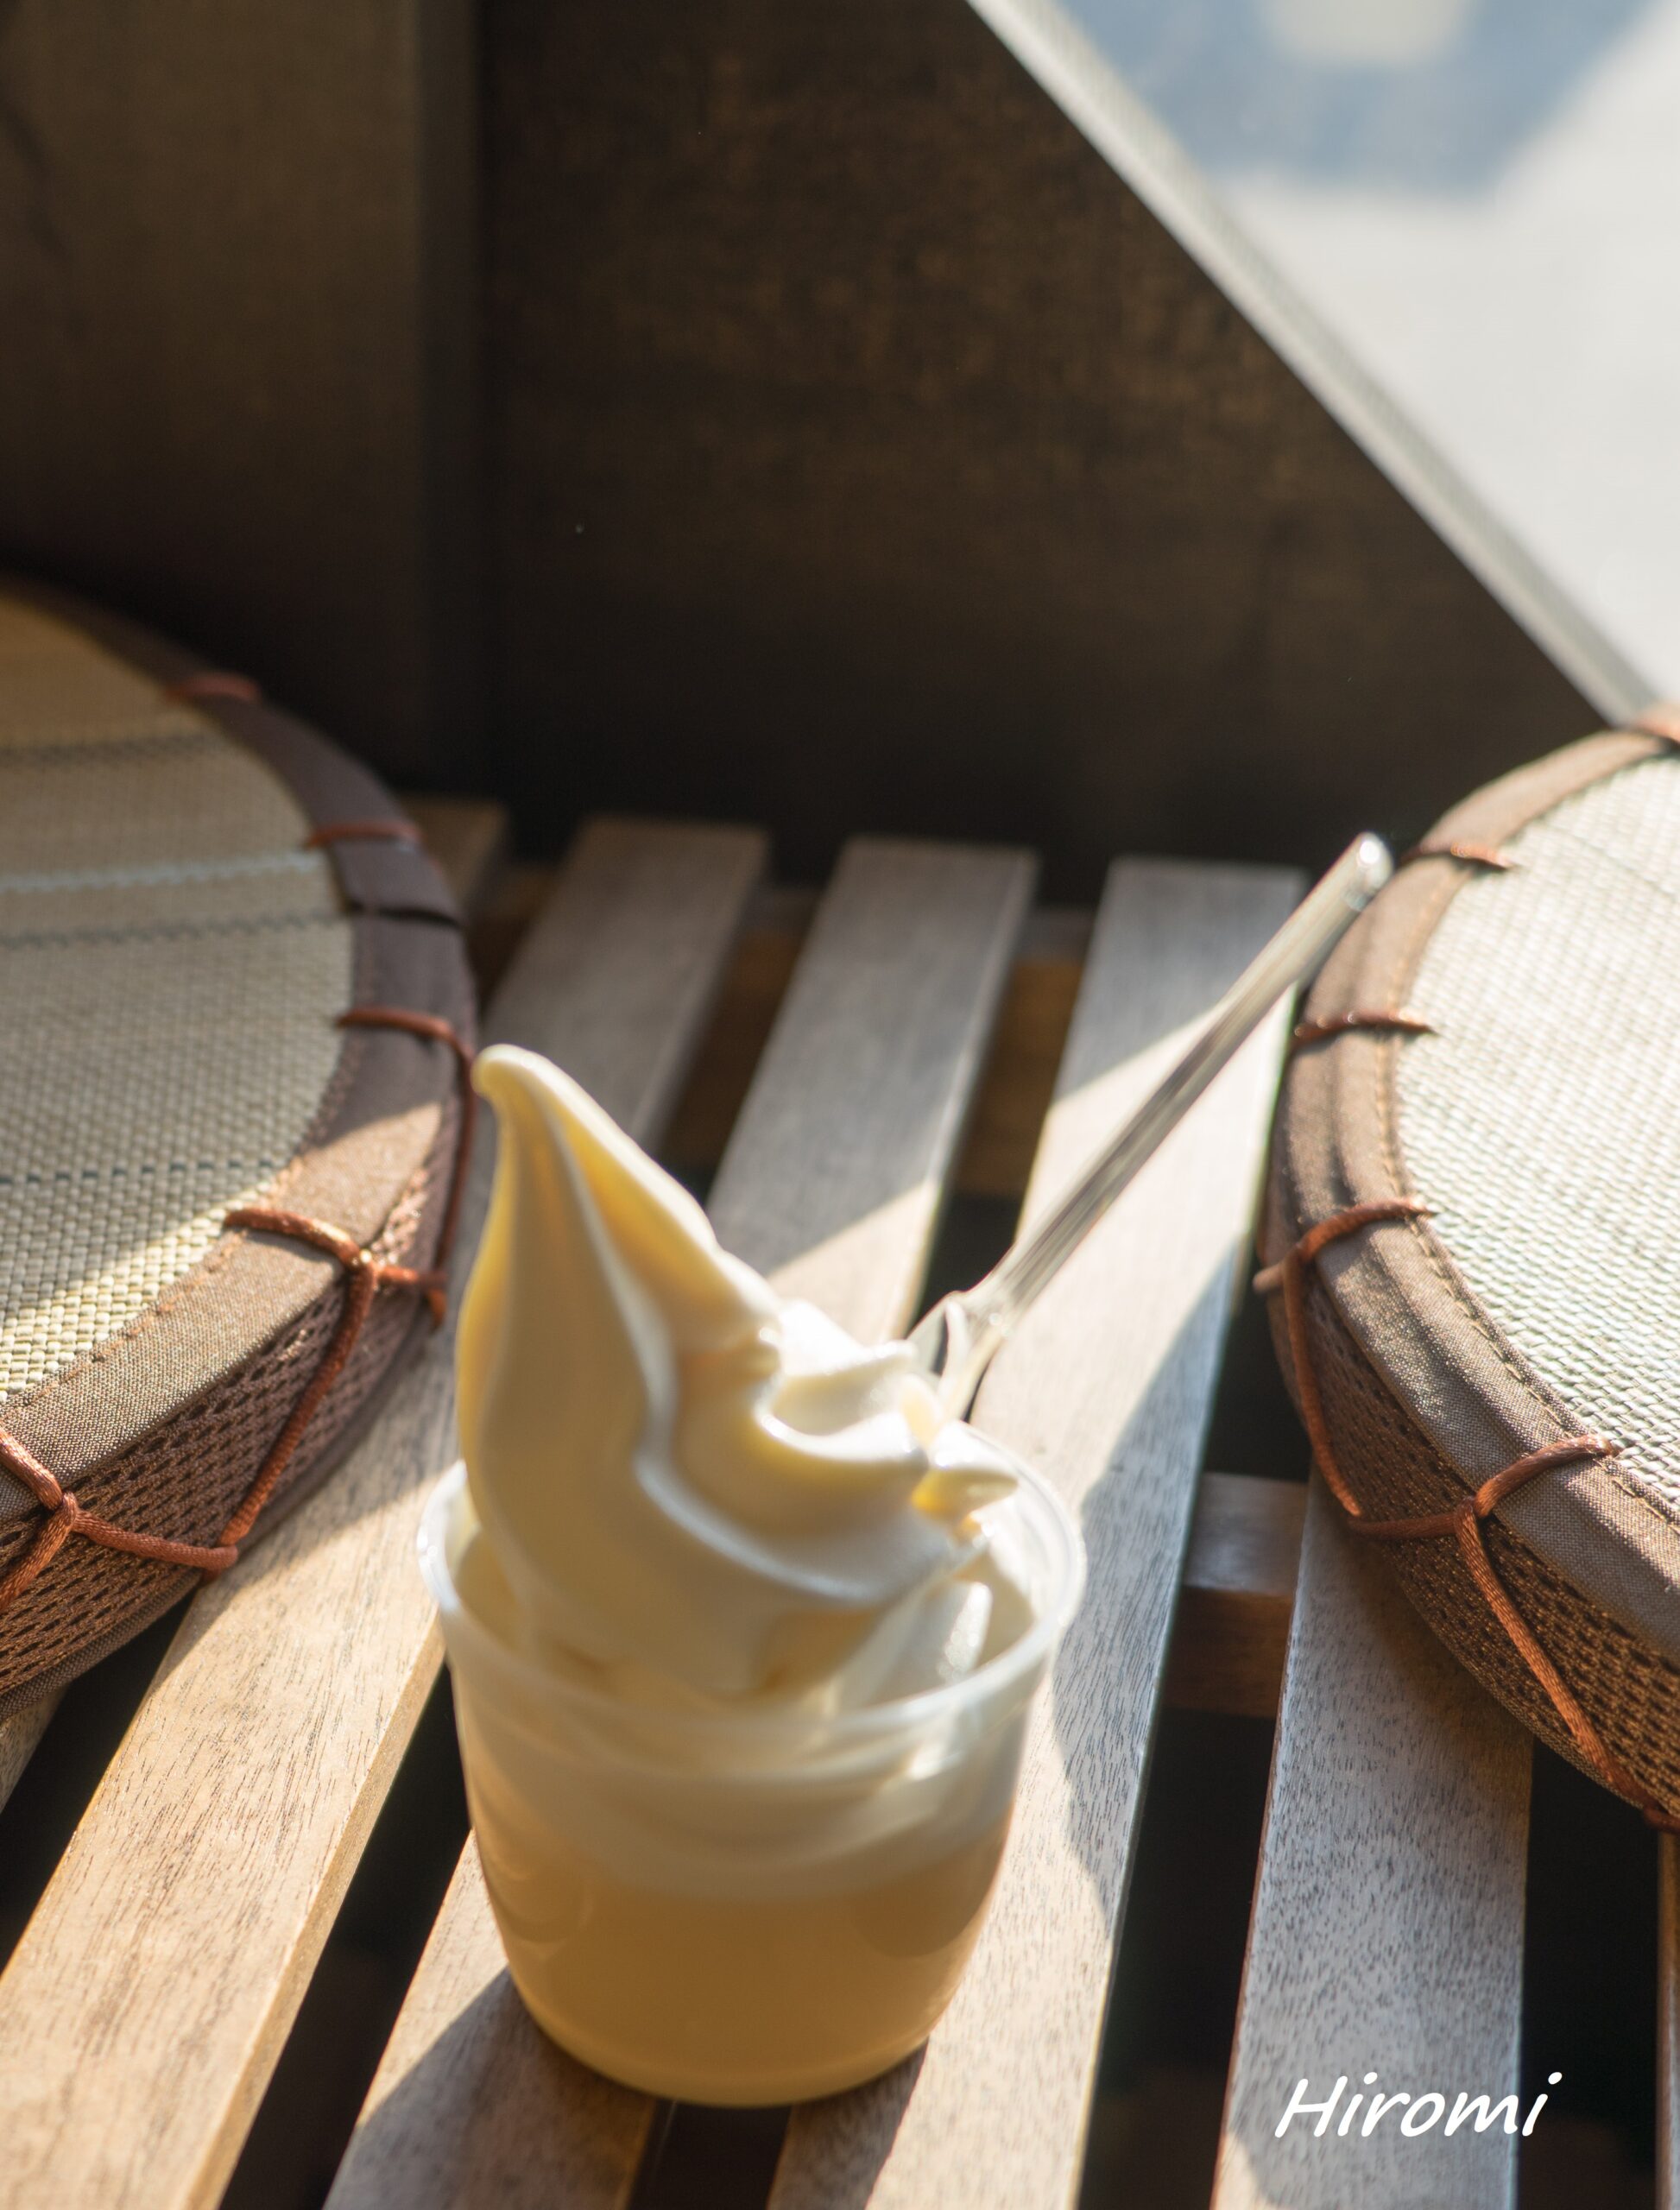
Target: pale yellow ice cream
(743,1631)
(697,1490)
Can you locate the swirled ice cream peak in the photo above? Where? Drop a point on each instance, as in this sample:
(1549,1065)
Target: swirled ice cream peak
(695,1489)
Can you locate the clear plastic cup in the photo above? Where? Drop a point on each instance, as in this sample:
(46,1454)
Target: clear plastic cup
(745,1908)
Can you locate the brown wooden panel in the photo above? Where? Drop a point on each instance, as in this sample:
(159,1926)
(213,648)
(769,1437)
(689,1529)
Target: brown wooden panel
(867,455)
(1232,1628)
(467,837)
(237,388)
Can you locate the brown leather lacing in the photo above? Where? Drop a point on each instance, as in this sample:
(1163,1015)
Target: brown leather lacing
(1370,1019)
(214,682)
(364,1277)
(432,1029)
(387,829)
(1462,1521)
(1470,855)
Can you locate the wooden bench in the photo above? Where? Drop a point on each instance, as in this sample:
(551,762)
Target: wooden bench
(916,1028)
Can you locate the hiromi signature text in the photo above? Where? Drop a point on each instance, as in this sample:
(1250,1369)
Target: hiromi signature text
(1418,2114)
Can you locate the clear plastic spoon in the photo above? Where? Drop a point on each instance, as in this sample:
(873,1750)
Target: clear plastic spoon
(960,1337)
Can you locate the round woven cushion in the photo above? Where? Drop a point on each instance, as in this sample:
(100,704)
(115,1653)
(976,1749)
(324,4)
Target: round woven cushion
(176,960)
(1539,1299)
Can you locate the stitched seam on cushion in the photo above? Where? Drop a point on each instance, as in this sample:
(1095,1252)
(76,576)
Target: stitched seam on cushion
(196,738)
(165,932)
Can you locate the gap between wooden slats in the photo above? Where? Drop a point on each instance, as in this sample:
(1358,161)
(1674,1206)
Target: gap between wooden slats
(143,2009)
(1232,1626)
(1107,1389)
(1387,1926)
(831,1182)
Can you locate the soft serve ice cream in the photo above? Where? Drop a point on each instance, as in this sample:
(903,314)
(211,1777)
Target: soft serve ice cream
(697,1491)
(732,1607)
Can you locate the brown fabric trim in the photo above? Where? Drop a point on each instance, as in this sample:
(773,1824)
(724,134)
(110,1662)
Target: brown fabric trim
(1371,1019)
(328,785)
(376,875)
(91,1600)
(433,1030)
(379,1118)
(365,1276)
(230,1398)
(1478,1402)
(213,683)
(1467,854)
(1463,1522)
(1661,718)
(378,1123)
(1631,1693)
(398,829)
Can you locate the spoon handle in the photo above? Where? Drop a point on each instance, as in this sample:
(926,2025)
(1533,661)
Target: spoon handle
(958,1338)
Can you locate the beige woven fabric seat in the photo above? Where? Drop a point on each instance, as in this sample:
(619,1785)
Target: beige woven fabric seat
(174,960)
(1497,1203)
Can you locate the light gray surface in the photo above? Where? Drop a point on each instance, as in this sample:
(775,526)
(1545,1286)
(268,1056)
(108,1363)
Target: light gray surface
(1474,198)
(1388,1927)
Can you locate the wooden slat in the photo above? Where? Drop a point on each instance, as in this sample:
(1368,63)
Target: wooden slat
(1107,1389)
(1668,2023)
(1019,1075)
(469,839)
(144,2006)
(833,1177)
(753,991)
(1387,1926)
(831,1182)
(1238,1591)
(18,1737)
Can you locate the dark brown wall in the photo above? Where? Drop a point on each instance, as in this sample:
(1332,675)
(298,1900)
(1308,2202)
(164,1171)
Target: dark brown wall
(866,456)
(860,452)
(237,284)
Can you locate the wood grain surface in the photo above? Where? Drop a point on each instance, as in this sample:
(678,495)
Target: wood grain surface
(1107,1389)
(144,2006)
(1387,1929)
(1232,1629)
(1015,1085)
(831,1182)
(837,1167)
(470,839)
(19,1736)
